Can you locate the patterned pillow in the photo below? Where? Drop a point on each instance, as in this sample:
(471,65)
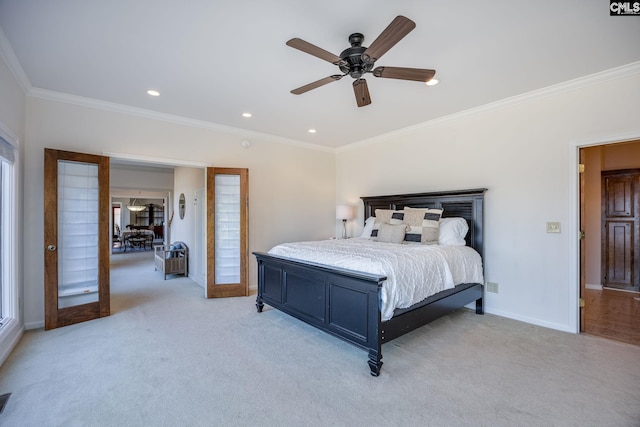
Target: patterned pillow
(391,233)
(423,225)
(386,216)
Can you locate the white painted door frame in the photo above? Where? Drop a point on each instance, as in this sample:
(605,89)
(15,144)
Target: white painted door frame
(574,218)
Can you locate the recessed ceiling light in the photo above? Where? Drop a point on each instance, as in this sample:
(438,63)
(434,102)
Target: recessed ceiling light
(432,82)
(153,93)
(312,131)
(246,114)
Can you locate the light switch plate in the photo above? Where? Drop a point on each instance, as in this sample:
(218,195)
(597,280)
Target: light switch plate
(553,227)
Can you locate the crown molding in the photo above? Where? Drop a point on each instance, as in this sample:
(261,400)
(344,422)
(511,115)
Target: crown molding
(66,98)
(10,58)
(581,82)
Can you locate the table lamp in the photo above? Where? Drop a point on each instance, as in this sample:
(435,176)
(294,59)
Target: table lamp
(344,212)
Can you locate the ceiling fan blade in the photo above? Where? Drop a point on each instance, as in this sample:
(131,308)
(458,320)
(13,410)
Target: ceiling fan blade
(314,50)
(361,91)
(395,31)
(416,74)
(318,83)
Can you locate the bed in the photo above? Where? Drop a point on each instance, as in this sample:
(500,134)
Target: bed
(347,303)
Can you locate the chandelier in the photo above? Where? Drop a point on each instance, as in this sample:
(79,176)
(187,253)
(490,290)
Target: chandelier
(135,208)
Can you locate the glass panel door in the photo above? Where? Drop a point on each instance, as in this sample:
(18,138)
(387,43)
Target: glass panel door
(76,236)
(227,232)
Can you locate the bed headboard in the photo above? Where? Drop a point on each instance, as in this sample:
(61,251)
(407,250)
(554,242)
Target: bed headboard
(468,204)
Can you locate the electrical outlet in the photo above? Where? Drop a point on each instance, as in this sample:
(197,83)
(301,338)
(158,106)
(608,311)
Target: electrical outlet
(553,227)
(492,287)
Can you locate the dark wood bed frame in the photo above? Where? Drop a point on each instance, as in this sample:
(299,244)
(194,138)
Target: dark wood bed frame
(346,303)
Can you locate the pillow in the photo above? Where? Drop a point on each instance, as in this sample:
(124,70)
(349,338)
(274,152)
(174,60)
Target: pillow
(170,254)
(423,225)
(386,216)
(453,231)
(390,233)
(389,216)
(368,227)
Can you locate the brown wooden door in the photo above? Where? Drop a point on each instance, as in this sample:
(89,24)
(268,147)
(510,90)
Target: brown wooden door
(620,229)
(76,237)
(227,232)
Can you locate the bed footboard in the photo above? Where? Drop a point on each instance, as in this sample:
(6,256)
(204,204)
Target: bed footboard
(344,303)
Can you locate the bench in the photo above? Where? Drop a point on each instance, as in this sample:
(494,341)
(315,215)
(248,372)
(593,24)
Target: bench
(172,259)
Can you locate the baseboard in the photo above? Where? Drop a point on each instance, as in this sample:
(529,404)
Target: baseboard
(200,280)
(530,320)
(620,290)
(9,338)
(593,287)
(34,325)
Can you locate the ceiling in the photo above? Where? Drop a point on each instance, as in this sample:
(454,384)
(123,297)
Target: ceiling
(214,60)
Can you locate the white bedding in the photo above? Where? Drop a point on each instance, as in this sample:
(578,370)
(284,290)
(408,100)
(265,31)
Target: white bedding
(414,272)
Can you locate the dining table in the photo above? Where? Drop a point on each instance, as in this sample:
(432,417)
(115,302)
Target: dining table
(133,239)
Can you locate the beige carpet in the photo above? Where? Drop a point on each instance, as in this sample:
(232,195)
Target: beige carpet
(169,357)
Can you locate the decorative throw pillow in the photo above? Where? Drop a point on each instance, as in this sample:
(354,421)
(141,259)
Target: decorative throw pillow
(386,216)
(391,233)
(423,225)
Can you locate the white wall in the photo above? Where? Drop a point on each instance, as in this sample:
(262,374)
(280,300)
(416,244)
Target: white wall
(12,122)
(291,194)
(187,181)
(524,153)
(141,178)
(12,101)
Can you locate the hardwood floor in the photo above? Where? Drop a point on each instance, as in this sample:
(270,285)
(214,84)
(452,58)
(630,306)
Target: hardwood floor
(613,314)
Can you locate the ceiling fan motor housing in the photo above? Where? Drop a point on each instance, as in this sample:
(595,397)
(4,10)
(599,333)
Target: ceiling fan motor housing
(355,65)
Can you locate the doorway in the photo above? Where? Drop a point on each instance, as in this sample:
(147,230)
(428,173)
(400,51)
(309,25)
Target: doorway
(608,311)
(92,175)
(138,219)
(149,186)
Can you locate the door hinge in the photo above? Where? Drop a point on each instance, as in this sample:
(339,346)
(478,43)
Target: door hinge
(581,303)
(581,168)
(581,235)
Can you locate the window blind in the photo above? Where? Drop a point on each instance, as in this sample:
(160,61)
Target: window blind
(78,194)
(227,235)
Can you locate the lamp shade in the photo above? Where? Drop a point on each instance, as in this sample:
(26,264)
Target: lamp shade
(344,212)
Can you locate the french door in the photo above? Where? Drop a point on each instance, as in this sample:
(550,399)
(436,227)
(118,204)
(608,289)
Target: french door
(227,232)
(77,240)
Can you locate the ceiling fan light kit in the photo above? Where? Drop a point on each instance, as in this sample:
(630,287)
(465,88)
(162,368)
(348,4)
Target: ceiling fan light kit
(358,60)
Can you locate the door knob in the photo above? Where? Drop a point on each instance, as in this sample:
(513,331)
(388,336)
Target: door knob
(51,248)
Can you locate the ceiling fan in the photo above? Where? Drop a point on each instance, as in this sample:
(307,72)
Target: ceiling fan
(358,60)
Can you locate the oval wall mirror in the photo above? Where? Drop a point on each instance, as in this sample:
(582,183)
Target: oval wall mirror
(181,206)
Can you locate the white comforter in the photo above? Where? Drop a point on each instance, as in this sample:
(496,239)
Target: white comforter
(413,272)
